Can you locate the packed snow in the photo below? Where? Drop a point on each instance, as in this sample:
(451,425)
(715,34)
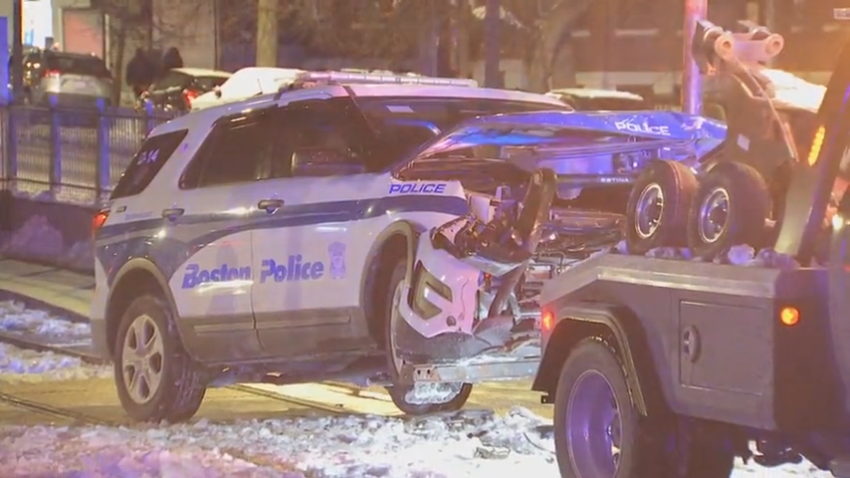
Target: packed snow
(18,364)
(464,445)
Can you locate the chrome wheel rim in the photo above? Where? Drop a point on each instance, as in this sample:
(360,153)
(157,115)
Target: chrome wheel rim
(594,427)
(650,206)
(142,359)
(713,219)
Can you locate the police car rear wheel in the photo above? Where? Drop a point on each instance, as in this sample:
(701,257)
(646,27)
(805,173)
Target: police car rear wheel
(415,399)
(155,378)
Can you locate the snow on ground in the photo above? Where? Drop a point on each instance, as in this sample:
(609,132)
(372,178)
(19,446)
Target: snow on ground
(468,445)
(40,240)
(18,364)
(28,365)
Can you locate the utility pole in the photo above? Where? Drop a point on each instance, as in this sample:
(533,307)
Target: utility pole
(17,70)
(695,10)
(266,33)
(492,44)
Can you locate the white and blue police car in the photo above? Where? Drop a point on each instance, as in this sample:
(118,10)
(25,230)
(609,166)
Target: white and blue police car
(264,238)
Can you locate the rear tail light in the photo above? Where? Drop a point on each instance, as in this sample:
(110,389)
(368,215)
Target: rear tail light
(547,321)
(98,221)
(50,74)
(189,96)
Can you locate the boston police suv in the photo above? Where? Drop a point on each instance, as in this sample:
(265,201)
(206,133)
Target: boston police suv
(259,240)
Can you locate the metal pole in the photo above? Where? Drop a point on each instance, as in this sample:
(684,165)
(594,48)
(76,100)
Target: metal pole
(17,70)
(492,44)
(695,10)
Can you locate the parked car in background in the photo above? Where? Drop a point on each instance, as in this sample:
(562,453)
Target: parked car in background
(74,79)
(588,99)
(179,88)
(246,83)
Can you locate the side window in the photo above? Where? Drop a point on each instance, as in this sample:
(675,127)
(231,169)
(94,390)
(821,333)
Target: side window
(237,150)
(172,80)
(147,162)
(317,124)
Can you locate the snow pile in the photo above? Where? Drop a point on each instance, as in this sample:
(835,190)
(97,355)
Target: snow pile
(742,255)
(17,319)
(458,445)
(39,240)
(462,445)
(18,365)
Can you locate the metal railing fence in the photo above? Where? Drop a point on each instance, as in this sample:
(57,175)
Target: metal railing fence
(69,154)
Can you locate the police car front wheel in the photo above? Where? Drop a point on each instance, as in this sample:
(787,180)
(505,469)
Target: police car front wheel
(155,378)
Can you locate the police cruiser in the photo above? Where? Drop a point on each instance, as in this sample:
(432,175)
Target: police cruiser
(264,239)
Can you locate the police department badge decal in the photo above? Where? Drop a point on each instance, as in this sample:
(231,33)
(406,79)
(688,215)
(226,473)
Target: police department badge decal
(336,251)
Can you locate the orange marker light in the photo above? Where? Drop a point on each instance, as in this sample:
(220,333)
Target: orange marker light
(547,321)
(817,144)
(789,316)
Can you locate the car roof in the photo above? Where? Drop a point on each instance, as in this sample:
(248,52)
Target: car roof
(212,113)
(203,72)
(591,93)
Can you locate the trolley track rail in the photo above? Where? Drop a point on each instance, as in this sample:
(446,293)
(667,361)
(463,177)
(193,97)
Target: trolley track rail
(278,396)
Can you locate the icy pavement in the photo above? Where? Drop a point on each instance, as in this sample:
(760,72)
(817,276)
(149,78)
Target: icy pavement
(466,445)
(17,364)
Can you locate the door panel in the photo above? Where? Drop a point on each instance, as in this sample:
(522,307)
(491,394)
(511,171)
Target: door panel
(212,287)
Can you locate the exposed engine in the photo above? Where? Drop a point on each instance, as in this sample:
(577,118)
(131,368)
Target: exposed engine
(569,235)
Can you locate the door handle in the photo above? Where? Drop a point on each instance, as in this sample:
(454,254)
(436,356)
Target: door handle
(173,213)
(270,205)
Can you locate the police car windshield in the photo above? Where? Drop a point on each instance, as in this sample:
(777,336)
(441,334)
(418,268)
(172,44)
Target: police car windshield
(404,124)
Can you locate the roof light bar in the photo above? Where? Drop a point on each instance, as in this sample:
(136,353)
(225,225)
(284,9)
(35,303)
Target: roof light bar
(350,77)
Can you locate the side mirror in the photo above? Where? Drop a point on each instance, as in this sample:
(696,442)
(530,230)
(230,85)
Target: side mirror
(217,91)
(323,162)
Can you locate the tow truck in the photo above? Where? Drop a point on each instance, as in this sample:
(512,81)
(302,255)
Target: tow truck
(661,368)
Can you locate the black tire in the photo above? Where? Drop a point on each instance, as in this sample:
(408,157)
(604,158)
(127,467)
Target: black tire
(677,185)
(398,393)
(181,388)
(748,207)
(641,441)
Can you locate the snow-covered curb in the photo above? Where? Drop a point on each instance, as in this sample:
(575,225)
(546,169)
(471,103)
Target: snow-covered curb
(40,241)
(18,364)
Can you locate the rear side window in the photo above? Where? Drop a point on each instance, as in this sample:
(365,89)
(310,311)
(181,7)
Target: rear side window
(207,83)
(172,80)
(238,150)
(77,65)
(147,162)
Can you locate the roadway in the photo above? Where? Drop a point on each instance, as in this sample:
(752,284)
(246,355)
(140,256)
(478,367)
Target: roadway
(94,400)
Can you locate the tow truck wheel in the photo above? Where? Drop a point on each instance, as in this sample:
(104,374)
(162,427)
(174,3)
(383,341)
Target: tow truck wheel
(657,213)
(730,208)
(421,399)
(598,431)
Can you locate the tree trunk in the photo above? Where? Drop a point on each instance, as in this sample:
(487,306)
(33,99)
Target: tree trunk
(119,35)
(266,33)
(553,61)
(493,44)
(464,21)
